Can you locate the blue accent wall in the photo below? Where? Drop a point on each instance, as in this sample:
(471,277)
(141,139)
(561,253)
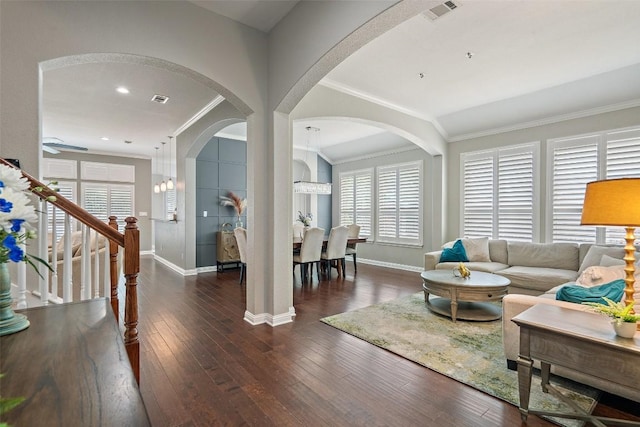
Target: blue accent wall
(324,200)
(221,166)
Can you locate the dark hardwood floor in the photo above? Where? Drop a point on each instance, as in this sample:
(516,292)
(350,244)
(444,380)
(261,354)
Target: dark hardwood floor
(203,365)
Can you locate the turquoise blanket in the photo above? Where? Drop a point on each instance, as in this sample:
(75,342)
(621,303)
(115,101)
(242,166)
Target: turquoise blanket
(579,294)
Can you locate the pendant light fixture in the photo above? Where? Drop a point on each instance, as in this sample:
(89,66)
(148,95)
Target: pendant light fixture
(310,187)
(156,188)
(163,185)
(170,181)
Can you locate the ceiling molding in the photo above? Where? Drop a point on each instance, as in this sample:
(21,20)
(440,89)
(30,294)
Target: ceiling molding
(377,154)
(210,106)
(548,120)
(332,84)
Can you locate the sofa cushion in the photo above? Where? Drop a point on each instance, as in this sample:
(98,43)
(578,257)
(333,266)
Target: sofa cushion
(477,249)
(498,251)
(563,256)
(487,267)
(595,253)
(538,278)
(581,294)
(457,253)
(607,261)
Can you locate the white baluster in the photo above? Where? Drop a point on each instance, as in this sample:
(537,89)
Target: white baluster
(107,270)
(85,262)
(67,285)
(96,266)
(54,260)
(22,282)
(43,253)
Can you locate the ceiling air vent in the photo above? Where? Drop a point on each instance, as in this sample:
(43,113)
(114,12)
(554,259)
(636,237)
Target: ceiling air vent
(161,99)
(439,10)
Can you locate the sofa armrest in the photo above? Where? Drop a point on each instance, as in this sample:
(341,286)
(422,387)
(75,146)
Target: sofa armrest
(514,304)
(431,259)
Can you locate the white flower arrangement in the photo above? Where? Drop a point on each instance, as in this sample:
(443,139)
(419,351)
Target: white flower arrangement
(16,216)
(305,218)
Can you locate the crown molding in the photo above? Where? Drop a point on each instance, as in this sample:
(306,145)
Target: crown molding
(377,154)
(549,120)
(348,90)
(210,106)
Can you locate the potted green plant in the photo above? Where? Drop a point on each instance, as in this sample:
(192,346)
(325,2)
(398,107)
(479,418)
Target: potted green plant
(624,321)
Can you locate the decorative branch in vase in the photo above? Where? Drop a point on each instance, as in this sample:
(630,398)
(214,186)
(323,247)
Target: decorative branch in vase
(237,203)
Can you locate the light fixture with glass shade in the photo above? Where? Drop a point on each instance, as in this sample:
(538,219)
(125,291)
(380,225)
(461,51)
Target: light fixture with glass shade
(156,187)
(170,181)
(163,185)
(615,202)
(311,187)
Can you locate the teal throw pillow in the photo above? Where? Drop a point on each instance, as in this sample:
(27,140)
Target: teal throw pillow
(454,254)
(579,294)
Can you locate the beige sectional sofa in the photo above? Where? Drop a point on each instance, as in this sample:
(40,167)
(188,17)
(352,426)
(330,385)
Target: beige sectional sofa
(536,272)
(532,268)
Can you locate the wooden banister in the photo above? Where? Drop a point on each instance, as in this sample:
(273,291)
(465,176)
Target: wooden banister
(129,241)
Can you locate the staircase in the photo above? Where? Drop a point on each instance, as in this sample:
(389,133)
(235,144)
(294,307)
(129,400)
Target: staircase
(98,239)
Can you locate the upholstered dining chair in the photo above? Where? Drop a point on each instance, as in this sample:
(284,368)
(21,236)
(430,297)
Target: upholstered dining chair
(354,232)
(241,240)
(310,251)
(336,247)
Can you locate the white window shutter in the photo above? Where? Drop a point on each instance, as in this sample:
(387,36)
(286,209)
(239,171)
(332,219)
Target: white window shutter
(516,195)
(356,200)
(477,195)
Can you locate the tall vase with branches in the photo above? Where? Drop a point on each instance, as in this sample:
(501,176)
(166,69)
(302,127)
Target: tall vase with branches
(237,203)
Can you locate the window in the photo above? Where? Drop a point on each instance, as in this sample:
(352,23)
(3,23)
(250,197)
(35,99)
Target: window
(66,189)
(103,200)
(499,193)
(399,195)
(356,194)
(579,160)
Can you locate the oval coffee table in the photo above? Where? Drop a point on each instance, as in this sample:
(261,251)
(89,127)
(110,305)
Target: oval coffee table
(464,299)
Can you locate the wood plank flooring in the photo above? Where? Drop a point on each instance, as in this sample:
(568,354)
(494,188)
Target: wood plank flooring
(203,365)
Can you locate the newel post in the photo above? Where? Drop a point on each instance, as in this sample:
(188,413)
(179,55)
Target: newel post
(131,269)
(113,270)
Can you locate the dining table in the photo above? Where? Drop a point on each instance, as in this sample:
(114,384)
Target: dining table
(297,241)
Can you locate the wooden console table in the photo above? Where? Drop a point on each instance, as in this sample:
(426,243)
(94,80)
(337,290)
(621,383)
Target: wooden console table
(582,341)
(72,367)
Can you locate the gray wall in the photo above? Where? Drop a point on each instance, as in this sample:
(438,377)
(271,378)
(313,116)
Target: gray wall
(324,200)
(395,254)
(143,188)
(597,123)
(221,167)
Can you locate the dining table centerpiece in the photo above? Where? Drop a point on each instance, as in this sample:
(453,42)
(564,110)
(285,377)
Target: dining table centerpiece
(16,218)
(305,219)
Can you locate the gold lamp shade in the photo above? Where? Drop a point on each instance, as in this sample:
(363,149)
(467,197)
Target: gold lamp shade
(616,202)
(612,202)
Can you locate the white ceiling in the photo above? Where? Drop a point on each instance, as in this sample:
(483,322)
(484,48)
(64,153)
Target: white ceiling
(531,61)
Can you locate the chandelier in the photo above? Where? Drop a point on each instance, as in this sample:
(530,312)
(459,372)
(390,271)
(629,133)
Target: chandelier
(311,187)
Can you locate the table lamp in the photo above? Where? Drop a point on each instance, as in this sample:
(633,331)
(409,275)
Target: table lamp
(616,202)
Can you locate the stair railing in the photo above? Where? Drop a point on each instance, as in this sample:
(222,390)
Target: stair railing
(129,241)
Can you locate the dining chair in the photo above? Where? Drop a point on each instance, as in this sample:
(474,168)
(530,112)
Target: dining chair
(336,247)
(241,240)
(310,251)
(354,232)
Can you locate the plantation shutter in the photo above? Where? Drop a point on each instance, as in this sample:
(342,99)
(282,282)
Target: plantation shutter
(121,203)
(67,190)
(400,204)
(575,163)
(516,195)
(623,161)
(477,195)
(103,200)
(356,200)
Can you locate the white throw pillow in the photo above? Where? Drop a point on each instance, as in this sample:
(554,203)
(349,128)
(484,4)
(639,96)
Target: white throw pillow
(607,261)
(597,275)
(477,249)
(595,253)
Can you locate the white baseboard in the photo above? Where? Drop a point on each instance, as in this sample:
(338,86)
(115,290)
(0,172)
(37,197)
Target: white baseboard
(174,267)
(269,319)
(390,265)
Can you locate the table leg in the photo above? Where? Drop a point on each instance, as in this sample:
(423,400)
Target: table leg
(454,308)
(426,297)
(545,371)
(525,365)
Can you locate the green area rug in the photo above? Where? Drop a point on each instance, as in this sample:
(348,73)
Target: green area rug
(469,352)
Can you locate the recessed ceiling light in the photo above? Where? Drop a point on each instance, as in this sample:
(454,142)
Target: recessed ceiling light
(122,89)
(104,138)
